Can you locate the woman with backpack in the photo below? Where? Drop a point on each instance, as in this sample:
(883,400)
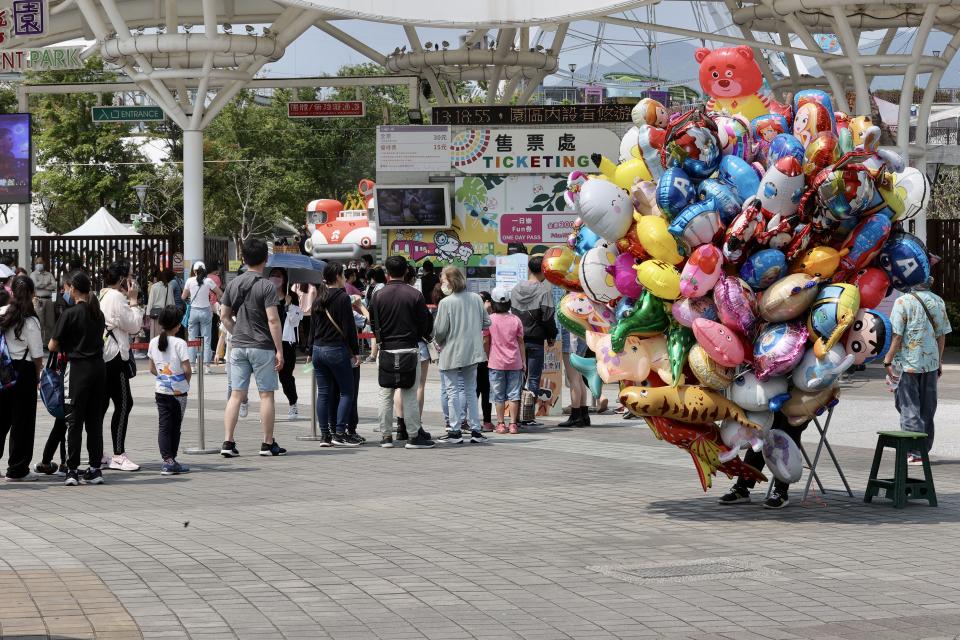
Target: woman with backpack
(21,359)
(196,293)
(124,318)
(79,334)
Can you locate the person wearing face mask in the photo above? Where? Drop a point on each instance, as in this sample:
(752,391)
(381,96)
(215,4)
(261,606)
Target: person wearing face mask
(45,288)
(290,316)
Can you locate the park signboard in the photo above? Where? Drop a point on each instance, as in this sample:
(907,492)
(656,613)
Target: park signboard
(326,109)
(45,59)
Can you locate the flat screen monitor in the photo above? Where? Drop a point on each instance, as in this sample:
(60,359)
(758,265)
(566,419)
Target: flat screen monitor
(15,166)
(418,206)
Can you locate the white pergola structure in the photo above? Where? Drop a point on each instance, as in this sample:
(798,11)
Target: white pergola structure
(185,56)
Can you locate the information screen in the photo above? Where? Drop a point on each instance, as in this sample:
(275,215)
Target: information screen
(413,207)
(15,165)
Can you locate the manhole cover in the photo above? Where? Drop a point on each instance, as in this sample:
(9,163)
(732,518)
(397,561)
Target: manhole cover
(694,570)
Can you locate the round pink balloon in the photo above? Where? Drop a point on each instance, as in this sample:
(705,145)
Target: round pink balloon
(778,348)
(736,304)
(625,276)
(720,342)
(701,272)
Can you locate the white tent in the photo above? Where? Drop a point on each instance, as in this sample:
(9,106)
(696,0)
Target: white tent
(103,224)
(12,229)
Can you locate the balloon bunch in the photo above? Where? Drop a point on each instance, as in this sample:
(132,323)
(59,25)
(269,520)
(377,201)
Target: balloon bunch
(730,268)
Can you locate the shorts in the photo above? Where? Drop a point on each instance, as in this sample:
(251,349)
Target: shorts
(566,341)
(245,361)
(424,351)
(505,385)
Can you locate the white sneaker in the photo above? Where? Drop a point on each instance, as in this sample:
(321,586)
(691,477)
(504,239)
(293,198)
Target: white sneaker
(293,413)
(206,370)
(105,461)
(123,463)
(244,408)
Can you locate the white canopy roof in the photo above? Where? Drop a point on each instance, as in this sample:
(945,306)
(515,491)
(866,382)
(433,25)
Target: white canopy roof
(103,224)
(12,228)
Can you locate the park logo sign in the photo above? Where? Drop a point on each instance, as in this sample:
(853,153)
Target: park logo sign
(45,59)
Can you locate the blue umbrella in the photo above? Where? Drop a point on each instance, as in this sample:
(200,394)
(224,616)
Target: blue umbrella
(300,268)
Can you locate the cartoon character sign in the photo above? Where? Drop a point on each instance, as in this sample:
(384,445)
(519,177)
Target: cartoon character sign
(449,247)
(732,79)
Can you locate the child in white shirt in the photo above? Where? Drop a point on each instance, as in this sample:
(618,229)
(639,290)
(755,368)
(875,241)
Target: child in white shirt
(170,363)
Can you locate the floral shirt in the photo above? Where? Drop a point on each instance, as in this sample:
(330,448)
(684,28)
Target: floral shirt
(919,353)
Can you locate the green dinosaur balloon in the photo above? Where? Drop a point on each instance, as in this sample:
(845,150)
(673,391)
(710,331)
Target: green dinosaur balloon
(648,318)
(680,340)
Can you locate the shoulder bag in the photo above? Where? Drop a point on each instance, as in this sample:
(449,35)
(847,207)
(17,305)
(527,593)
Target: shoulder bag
(154,312)
(185,321)
(930,319)
(51,387)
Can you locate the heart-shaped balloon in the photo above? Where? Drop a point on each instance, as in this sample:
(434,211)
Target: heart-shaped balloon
(560,267)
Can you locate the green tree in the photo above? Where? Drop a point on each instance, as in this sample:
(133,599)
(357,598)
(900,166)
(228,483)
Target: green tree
(82,166)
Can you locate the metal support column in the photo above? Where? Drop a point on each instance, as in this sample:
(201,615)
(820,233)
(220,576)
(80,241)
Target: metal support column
(193,195)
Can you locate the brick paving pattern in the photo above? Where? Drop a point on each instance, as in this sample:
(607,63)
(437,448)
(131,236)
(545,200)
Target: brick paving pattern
(550,534)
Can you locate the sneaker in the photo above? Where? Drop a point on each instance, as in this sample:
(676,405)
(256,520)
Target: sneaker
(293,413)
(477,437)
(487,426)
(73,478)
(326,440)
(229,449)
(738,494)
(30,477)
(93,476)
(345,440)
(387,441)
(360,438)
(531,423)
(501,428)
(105,461)
(402,433)
(123,463)
(207,370)
(173,468)
(778,499)
(420,443)
(244,409)
(272,449)
(452,437)
(914,459)
(46,468)
(513,428)
(62,471)
(424,435)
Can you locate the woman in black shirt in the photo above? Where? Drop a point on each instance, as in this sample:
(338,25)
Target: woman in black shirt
(79,334)
(335,351)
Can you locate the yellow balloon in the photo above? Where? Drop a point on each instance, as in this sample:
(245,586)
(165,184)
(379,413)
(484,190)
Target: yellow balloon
(820,262)
(660,278)
(626,173)
(657,240)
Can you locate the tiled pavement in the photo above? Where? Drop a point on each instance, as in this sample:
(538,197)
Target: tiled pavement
(598,533)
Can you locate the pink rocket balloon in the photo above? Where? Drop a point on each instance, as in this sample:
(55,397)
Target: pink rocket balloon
(625,276)
(701,272)
(720,342)
(736,304)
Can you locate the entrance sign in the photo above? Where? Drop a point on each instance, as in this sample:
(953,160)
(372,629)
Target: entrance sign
(556,151)
(413,148)
(127,114)
(482,115)
(46,59)
(328,109)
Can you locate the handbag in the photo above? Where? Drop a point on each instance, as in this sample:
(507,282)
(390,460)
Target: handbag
(397,369)
(51,388)
(185,320)
(129,365)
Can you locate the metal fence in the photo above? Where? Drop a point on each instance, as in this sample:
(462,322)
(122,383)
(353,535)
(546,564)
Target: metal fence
(943,239)
(146,254)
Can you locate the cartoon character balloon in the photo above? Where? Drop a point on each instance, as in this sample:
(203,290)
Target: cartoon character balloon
(578,314)
(788,297)
(561,267)
(675,191)
(869,337)
(594,276)
(700,274)
(904,258)
(831,315)
(736,304)
(720,342)
(732,79)
(814,374)
(783,456)
(753,394)
(604,207)
(778,348)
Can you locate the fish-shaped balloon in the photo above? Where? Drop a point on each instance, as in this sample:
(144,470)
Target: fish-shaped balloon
(703,443)
(686,403)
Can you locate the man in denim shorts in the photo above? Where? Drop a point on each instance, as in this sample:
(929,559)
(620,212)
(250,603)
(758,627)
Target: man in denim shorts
(249,313)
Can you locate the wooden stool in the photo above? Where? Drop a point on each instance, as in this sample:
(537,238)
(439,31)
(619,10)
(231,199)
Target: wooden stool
(901,487)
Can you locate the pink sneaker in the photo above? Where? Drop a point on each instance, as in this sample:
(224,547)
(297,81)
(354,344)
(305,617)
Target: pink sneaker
(501,428)
(513,427)
(487,426)
(123,463)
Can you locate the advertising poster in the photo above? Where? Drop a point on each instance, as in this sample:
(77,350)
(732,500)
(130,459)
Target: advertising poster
(490,213)
(15,175)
